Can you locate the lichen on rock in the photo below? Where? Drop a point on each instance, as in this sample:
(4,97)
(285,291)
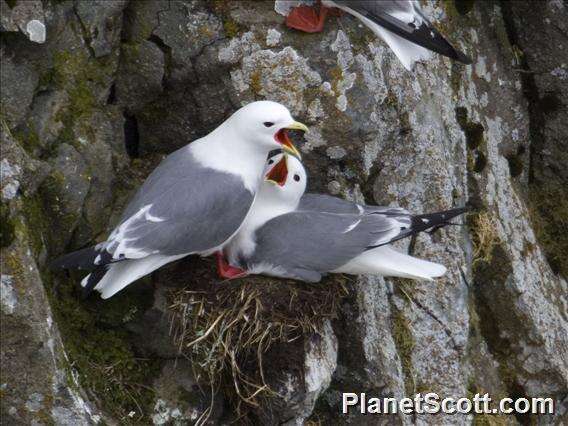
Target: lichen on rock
(90,109)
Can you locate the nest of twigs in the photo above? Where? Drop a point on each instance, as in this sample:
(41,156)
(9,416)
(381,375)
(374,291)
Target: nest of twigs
(225,329)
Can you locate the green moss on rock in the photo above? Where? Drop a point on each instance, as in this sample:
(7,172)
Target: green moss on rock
(230,26)
(548,207)
(404,341)
(82,78)
(100,348)
(28,139)
(7,233)
(34,216)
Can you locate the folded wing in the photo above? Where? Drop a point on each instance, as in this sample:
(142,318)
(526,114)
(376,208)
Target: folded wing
(306,244)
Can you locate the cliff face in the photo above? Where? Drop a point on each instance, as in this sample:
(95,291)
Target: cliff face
(95,93)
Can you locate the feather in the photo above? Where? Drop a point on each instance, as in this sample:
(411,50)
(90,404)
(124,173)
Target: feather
(388,262)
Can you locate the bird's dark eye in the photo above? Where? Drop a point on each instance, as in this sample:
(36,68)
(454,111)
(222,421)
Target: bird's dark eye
(270,161)
(297,178)
(268,124)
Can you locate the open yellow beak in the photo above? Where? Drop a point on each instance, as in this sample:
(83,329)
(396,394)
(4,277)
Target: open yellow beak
(285,141)
(296,125)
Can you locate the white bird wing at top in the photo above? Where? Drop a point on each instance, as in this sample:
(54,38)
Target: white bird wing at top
(182,208)
(403,19)
(307,244)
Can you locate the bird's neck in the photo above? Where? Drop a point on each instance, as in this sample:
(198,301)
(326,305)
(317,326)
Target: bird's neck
(222,151)
(263,209)
(266,208)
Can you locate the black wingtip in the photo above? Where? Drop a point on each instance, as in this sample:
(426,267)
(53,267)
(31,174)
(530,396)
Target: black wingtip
(463,58)
(427,222)
(83,259)
(94,278)
(457,211)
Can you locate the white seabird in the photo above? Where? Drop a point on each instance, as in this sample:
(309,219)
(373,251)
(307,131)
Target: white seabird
(292,235)
(192,203)
(400,23)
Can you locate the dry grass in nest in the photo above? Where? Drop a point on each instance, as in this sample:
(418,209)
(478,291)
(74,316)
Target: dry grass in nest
(226,329)
(484,237)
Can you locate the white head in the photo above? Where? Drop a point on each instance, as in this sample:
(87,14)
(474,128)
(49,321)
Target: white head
(284,182)
(265,124)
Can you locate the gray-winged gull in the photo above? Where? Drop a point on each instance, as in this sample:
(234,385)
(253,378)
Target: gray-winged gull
(400,23)
(288,237)
(192,203)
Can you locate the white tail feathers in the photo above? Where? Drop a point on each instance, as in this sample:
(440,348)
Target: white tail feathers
(390,263)
(407,52)
(123,273)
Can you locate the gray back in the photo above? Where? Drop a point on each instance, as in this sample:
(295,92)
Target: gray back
(193,208)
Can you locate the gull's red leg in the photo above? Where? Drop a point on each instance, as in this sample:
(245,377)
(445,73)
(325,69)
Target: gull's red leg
(306,18)
(227,271)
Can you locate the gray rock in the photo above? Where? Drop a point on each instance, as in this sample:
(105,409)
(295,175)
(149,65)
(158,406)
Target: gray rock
(102,21)
(17,85)
(140,75)
(64,192)
(36,388)
(186,28)
(426,140)
(26,16)
(8,296)
(46,110)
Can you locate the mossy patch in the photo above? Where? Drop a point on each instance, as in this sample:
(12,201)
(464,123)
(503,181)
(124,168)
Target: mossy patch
(222,9)
(52,205)
(456,77)
(82,78)
(404,342)
(28,139)
(7,232)
(457,13)
(231,28)
(484,419)
(548,208)
(100,349)
(256,82)
(497,321)
(35,220)
(46,80)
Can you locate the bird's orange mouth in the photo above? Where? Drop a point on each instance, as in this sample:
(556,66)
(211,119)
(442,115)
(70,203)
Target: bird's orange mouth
(283,139)
(279,173)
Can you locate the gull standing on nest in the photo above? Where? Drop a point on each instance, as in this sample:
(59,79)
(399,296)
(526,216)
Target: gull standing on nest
(192,203)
